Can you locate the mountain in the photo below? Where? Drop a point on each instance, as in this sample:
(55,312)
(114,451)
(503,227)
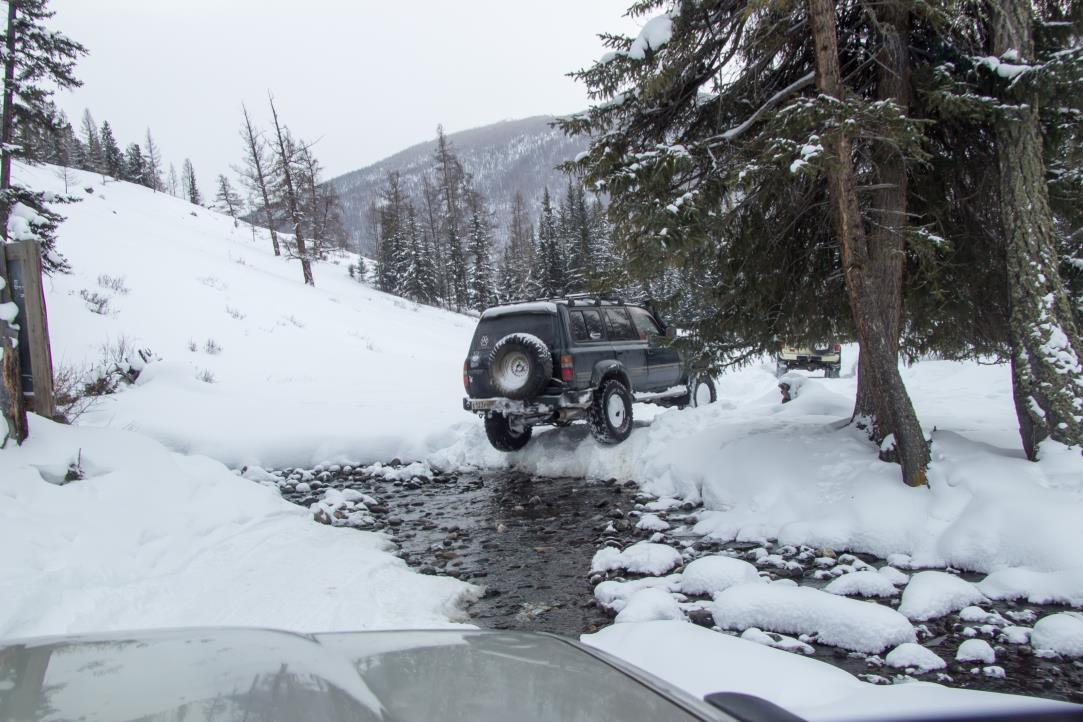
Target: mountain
(503,157)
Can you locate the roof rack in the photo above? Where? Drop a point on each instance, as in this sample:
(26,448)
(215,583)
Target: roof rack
(574,299)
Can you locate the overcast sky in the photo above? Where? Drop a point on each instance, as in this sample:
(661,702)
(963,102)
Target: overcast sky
(366,79)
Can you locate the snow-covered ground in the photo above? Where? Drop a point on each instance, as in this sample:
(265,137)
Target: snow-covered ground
(162,532)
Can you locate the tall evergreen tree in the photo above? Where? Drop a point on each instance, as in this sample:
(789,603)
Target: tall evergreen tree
(393,255)
(134,166)
(482,292)
(517,269)
(188,183)
(112,157)
(551,262)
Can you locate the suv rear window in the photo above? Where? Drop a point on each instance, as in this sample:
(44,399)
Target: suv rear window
(587,325)
(491,330)
(619,325)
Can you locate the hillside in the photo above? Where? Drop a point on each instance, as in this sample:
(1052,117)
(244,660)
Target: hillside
(503,157)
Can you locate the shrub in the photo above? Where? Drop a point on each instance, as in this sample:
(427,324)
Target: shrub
(95,302)
(113,283)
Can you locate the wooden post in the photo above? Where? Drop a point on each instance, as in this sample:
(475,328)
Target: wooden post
(35,352)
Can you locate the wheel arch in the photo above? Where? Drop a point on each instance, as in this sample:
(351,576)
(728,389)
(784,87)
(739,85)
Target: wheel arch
(609,369)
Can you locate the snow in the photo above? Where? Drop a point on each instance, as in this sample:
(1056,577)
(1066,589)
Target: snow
(151,538)
(932,594)
(702,662)
(778,641)
(1064,587)
(649,604)
(976,650)
(652,522)
(911,655)
(655,33)
(1061,633)
(615,595)
(713,574)
(839,621)
(530,307)
(863,584)
(639,558)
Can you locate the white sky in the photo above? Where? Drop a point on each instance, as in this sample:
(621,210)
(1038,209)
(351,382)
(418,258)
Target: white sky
(365,78)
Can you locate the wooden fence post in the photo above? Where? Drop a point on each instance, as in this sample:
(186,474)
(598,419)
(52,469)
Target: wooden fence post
(35,352)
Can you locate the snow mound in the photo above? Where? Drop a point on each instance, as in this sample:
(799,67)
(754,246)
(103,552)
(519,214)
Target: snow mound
(652,522)
(862,584)
(894,576)
(976,650)
(713,574)
(640,558)
(778,641)
(932,594)
(1061,633)
(839,621)
(648,605)
(913,656)
(614,595)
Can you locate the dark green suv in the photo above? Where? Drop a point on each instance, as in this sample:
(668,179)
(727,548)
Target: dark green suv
(576,357)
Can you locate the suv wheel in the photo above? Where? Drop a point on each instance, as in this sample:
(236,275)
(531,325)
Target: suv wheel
(611,412)
(505,436)
(832,372)
(520,366)
(701,391)
(780,369)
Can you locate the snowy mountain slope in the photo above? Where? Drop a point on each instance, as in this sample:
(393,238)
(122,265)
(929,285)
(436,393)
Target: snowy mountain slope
(503,158)
(303,375)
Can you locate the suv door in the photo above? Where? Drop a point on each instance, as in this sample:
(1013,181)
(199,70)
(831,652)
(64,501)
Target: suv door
(589,343)
(628,347)
(664,367)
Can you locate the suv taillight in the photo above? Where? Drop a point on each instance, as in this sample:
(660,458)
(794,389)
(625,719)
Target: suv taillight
(567,370)
(466,375)
(836,348)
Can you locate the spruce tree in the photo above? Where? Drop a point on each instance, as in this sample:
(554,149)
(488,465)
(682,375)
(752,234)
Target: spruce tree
(134,165)
(482,293)
(112,157)
(551,272)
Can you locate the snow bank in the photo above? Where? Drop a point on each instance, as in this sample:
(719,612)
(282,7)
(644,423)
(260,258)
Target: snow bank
(1064,587)
(151,538)
(614,595)
(701,662)
(976,650)
(648,605)
(847,623)
(933,594)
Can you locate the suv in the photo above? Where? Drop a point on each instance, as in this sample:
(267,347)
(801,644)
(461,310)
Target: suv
(577,357)
(827,357)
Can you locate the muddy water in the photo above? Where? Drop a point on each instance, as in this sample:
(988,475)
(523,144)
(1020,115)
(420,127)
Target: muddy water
(529,543)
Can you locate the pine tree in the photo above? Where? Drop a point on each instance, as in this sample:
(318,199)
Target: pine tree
(517,269)
(134,167)
(227,199)
(393,253)
(482,293)
(188,184)
(551,280)
(35,60)
(112,158)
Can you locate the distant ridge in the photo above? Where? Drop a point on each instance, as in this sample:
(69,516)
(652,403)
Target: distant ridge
(502,157)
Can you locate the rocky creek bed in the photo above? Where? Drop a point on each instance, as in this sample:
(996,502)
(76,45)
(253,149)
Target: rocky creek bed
(529,543)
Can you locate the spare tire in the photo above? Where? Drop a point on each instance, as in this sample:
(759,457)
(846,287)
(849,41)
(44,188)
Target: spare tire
(520,366)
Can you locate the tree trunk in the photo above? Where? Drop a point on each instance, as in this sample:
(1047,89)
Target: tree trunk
(12,402)
(886,240)
(1047,376)
(891,401)
(261,180)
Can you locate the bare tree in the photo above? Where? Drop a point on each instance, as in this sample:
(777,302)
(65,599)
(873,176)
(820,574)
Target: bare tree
(287,151)
(255,175)
(153,165)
